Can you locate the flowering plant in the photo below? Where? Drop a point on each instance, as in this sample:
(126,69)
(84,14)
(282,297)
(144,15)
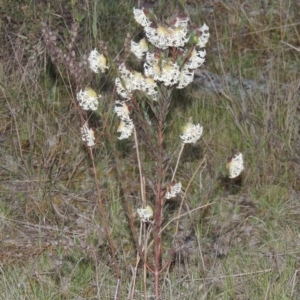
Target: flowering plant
(168,54)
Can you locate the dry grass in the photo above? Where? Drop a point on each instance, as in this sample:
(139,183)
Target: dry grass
(243,246)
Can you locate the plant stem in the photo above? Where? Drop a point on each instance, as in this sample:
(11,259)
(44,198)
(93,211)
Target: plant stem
(178,159)
(142,181)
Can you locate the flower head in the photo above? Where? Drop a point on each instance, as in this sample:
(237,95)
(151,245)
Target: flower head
(87,135)
(137,80)
(145,213)
(157,36)
(88,99)
(149,87)
(125,128)
(170,73)
(185,77)
(177,36)
(140,48)
(172,190)
(97,61)
(152,57)
(125,73)
(140,17)
(152,70)
(191,133)
(203,38)
(127,82)
(196,59)
(235,165)
(124,89)
(122,110)
(166,71)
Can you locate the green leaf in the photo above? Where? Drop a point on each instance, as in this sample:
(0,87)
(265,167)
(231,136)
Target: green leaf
(95,17)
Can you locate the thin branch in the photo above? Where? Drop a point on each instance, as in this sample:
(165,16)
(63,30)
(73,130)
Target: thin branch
(177,163)
(183,197)
(142,180)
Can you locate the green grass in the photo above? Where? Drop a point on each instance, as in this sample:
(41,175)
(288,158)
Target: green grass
(244,246)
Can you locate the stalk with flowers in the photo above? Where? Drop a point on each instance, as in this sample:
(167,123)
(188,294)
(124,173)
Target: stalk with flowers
(169,53)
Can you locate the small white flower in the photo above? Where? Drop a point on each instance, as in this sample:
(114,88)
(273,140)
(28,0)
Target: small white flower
(148,69)
(139,49)
(150,58)
(97,61)
(159,37)
(125,73)
(163,37)
(170,73)
(130,82)
(150,32)
(88,99)
(124,92)
(173,190)
(167,72)
(149,87)
(140,17)
(185,78)
(125,128)
(191,133)
(122,111)
(196,59)
(137,80)
(178,37)
(203,39)
(235,165)
(155,71)
(87,135)
(145,214)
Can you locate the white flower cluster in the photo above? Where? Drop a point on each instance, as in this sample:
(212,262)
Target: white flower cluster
(191,133)
(97,62)
(196,59)
(140,48)
(185,77)
(145,214)
(126,129)
(126,125)
(160,68)
(203,39)
(131,81)
(166,70)
(122,111)
(173,190)
(87,135)
(163,37)
(141,17)
(168,73)
(88,99)
(235,165)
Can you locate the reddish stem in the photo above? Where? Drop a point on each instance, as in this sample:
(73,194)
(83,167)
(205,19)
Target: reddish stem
(158,210)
